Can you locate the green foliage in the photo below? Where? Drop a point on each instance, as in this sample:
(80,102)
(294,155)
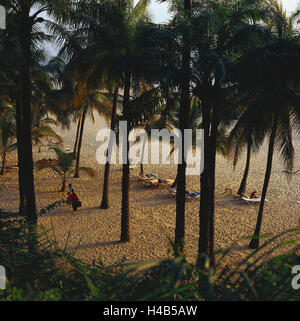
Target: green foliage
(48,273)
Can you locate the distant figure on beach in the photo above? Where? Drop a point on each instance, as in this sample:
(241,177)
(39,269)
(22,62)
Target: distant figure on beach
(254,195)
(291,172)
(73,198)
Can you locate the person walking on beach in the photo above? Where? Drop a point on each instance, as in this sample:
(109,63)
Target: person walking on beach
(74,200)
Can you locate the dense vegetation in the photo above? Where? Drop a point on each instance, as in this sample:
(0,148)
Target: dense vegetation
(49,273)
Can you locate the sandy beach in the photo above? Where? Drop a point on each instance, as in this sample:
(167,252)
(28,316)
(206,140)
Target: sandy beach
(152,219)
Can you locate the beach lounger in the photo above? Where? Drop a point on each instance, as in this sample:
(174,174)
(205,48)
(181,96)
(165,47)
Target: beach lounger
(150,182)
(188,195)
(158,183)
(146,177)
(9,167)
(252,201)
(191,196)
(171,192)
(151,176)
(168,182)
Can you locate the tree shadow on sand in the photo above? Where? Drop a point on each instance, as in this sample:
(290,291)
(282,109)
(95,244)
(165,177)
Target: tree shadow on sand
(93,245)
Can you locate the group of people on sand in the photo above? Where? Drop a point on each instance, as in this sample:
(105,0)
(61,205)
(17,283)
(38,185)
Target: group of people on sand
(73,199)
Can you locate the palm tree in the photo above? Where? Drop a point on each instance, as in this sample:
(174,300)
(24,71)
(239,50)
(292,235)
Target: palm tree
(95,100)
(277,95)
(64,167)
(226,32)
(27,35)
(243,134)
(105,203)
(185,18)
(132,14)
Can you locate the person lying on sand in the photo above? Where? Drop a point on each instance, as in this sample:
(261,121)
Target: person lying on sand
(291,172)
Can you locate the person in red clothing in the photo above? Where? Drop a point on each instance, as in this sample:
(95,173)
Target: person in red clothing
(72,197)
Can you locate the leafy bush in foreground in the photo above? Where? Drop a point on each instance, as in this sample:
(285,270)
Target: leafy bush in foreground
(45,272)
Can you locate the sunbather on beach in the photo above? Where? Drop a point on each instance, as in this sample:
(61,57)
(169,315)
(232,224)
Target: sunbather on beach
(254,195)
(291,172)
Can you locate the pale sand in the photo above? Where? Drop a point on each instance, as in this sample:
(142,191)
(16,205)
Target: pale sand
(152,220)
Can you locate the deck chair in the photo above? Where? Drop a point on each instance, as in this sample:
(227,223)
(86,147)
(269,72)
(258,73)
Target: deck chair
(171,192)
(146,177)
(251,201)
(152,183)
(168,182)
(191,196)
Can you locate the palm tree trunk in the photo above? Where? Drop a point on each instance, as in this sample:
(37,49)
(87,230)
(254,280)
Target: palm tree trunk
(76,175)
(212,178)
(76,139)
(63,187)
(142,169)
(142,159)
(105,203)
(203,242)
(125,214)
(184,114)
(20,156)
(254,243)
(25,40)
(243,185)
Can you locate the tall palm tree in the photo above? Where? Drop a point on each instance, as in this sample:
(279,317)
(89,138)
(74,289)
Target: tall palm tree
(95,100)
(277,95)
(105,203)
(184,115)
(225,27)
(243,134)
(185,18)
(27,34)
(133,15)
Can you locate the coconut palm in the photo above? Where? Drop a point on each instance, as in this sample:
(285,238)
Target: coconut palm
(130,66)
(95,100)
(184,16)
(243,135)
(226,32)
(105,203)
(276,101)
(64,166)
(27,36)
